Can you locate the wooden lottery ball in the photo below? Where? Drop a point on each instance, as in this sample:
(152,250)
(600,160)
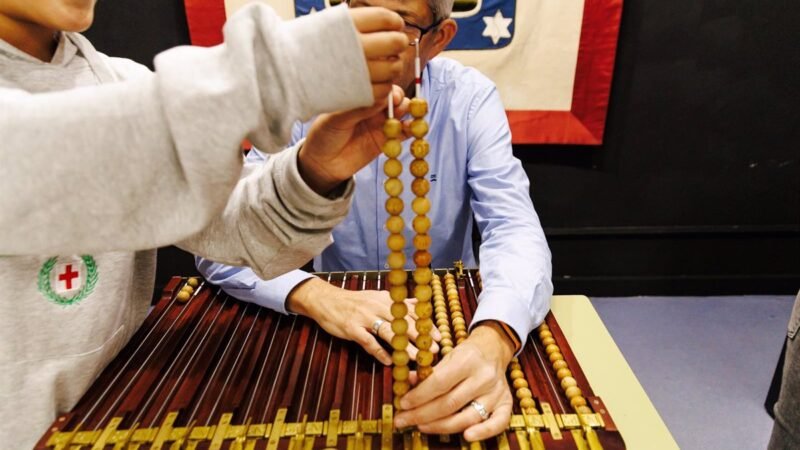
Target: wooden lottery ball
(398,294)
(393,187)
(420,187)
(399,342)
(395,224)
(423,294)
(394,206)
(552,348)
(583,409)
(423,309)
(457,314)
(568,382)
(396,402)
(392,168)
(514,366)
(400,358)
(424,326)
(422,242)
(459,322)
(572,391)
(424,342)
(419,128)
(559,365)
(392,148)
(420,148)
(188,289)
(424,358)
(424,372)
(396,260)
(556,357)
(543,326)
(392,128)
(451,290)
(446,342)
(545,334)
(577,402)
(400,387)
(182,296)
(526,403)
(399,326)
(399,310)
(460,335)
(423,275)
(441,317)
(421,224)
(400,373)
(520,383)
(418,107)
(516,374)
(548,341)
(396,242)
(192,282)
(524,393)
(397,276)
(419,168)
(421,206)
(563,373)
(445,350)
(445,333)
(422,258)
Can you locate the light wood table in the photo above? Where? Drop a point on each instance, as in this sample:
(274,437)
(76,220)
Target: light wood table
(610,376)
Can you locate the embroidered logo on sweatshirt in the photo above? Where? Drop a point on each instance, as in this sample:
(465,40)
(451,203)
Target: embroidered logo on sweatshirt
(66,280)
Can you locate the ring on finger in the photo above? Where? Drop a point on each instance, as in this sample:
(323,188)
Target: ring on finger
(376,326)
(480,409)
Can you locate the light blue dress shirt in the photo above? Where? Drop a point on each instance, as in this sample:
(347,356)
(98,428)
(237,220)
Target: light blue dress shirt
(473,176)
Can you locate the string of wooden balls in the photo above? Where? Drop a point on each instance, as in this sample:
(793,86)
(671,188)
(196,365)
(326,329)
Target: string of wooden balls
(456,313)
(568,384)
(521,388)
(187,290)
(442,316)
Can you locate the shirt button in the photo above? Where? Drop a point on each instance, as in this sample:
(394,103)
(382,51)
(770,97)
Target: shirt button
(386,266)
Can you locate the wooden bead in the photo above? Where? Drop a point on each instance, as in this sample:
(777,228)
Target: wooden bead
(520,383)
(418,107)
(398,294)
(577,401)
(419,128)
(392,128)
(552,348)
(420,186)
(563,373)
(392,168)
(424,358)
(548,341)
(393,187)
(526,403)
(524,393)
(545,334)
(183,296)
(446,342)
(459,322)
(400,387)
(458,314)
(400,373)
(559,365)
(516,374)
(421,224)
(419,168)
(422,242)
(188,289)
(446,350)
(424,372)
(192,282)
(400,358)
(572,391)
(423,294)
(567,382)
(399,326)
(556,357)
(392,148)
(395,224)
(424,326)
(581,409)
(514,366)
(399,342)
(394,206)
(396,242)
(423,275)
(397,276)
(543,326)
(396,260)
(424,342)
(461,335)
(396,403)
(441,316)
(399,310)
(452,291)
(423,308)
(420,148)
(421,206)
(422,258)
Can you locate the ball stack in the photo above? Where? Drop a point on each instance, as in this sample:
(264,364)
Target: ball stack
(521,388)
(456,313)
(568,384)
(442,318)
(187,290)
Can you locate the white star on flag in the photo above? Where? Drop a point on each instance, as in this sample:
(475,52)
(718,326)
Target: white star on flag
(497,27)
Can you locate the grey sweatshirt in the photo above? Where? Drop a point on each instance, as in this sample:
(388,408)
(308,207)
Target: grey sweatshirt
(92,177)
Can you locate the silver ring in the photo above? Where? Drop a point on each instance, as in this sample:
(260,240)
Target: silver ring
(376,326)
(481,410)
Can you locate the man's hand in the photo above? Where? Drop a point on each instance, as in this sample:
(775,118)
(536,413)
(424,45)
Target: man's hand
(340,144)
(350,315)
(474,371)
(382,39)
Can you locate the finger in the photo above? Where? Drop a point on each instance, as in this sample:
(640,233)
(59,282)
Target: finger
(386,333)
(438,408)
(367,341)
(458,422)
(384,70)
(495,425)
(380,91)
(369,19)
(452,370)
(383,44)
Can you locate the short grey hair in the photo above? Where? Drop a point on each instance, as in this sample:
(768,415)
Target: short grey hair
(440,9)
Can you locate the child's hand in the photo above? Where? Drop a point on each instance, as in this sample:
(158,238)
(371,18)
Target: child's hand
(382,39)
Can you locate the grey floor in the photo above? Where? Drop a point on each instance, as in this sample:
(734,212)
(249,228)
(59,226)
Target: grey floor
(705,362)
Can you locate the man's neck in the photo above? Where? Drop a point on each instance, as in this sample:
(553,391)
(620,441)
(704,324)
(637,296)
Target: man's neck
(30,38)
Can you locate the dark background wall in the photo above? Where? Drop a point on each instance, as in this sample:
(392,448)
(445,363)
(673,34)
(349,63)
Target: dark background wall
(696,189)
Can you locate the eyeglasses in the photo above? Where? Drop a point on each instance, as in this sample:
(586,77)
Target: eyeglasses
(415,32)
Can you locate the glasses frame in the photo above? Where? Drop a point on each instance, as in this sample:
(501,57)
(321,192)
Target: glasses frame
(423,31)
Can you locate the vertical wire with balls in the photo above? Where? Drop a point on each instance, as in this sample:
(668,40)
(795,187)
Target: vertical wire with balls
(396,260)
(421,223)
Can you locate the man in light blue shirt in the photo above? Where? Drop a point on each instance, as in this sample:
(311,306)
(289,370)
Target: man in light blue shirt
(474,178)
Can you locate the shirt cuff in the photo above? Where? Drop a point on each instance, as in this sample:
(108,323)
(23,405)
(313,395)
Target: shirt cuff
(512,315)
(274,292)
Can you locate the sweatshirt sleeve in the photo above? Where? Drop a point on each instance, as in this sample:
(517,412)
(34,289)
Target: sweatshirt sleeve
(153,160)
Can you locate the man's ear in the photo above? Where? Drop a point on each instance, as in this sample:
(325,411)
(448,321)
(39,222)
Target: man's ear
(445,33)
